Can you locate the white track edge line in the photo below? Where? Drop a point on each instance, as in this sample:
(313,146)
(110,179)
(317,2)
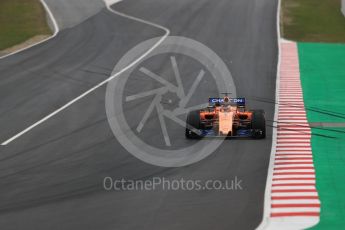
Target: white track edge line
(267,198)
(167,32)
(56,31)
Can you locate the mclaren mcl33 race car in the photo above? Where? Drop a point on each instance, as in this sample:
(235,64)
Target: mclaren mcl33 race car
(226,117)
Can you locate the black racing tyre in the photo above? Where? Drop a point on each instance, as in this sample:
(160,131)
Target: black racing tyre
(193,119)
(259,123)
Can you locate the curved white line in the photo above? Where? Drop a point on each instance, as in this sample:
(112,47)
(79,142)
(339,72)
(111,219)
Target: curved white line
(167,32)
(267,199)
(56,31)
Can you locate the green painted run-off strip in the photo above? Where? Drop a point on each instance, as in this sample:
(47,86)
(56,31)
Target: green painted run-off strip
(322,69)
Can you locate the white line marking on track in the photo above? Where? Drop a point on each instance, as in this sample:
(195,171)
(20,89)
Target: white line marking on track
(279,182)
(297,171)
(167,32)
(306,201)
(293,165)
(293,176)
(269,181)
(295,209)
(284,194)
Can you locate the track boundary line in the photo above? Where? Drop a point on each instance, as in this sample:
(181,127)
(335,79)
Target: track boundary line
(267,198)
(68,104)
(56,31)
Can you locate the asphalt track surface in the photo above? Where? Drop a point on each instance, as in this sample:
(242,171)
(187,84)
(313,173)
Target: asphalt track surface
(69,13)
(51,178)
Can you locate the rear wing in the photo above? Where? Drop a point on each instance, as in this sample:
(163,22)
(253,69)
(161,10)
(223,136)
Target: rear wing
(239,101)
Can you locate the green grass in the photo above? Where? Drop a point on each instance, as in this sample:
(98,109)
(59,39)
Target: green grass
(313,21)
(21,20)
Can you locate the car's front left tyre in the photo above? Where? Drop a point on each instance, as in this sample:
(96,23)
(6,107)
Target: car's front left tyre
(259,124)
(193,120)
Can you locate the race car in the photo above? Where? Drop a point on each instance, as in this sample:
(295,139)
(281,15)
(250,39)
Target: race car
(226,117)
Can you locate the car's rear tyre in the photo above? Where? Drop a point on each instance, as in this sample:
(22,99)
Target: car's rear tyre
(259,124)
(193,120)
